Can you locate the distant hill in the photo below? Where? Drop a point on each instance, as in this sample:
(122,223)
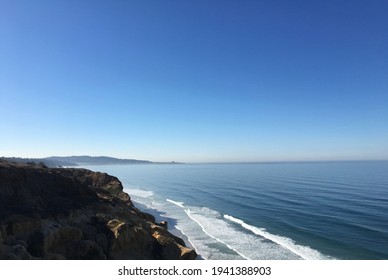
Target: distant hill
(88,160)
(80,160)
(46,161)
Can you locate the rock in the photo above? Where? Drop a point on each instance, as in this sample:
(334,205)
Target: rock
(85,250)
(102,240)
(130,238)
(164,224)
(59,240)
(187,253)
(169,250)
(70,213)
(15,252)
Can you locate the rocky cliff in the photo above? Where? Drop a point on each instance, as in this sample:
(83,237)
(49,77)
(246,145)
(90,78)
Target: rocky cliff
(71,213)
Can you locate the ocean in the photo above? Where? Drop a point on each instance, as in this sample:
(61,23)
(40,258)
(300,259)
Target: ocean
(260,211)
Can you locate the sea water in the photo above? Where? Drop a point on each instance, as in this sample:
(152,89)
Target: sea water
(326,210)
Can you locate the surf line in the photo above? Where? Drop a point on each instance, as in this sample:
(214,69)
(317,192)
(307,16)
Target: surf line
(219,240)
(188,238)
(282,241)
(180,204)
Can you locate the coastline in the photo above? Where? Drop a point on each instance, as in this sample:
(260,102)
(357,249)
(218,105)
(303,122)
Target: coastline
(172,225)
(75,213)
(267,211)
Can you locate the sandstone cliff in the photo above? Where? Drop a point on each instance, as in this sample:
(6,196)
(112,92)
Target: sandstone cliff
(61,213)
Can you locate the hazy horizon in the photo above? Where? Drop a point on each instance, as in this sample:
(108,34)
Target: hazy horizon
(195,81)
(210,162)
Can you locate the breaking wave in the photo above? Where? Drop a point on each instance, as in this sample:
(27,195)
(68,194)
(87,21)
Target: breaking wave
(303,251)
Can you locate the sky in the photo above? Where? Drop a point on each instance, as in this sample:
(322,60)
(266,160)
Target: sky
(195,81)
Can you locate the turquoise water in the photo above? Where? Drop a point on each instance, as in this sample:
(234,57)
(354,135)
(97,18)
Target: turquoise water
(336,210)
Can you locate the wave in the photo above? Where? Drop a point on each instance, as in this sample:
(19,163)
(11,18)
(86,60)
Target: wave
(219,240)
(180,204)
(188,239)
(139,192)
(213,237)
(304,252)
(230,242)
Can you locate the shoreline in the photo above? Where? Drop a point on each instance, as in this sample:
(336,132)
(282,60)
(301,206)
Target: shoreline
(76,213)
(171,222)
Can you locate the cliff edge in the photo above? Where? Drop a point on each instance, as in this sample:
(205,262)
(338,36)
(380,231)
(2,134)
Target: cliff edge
(71,213)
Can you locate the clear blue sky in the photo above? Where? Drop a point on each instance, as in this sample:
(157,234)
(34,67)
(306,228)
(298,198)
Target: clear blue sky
(195,80)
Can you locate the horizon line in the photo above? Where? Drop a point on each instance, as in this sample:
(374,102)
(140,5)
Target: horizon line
(218,162)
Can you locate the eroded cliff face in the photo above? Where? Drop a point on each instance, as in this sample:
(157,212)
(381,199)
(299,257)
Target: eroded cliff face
(71,213)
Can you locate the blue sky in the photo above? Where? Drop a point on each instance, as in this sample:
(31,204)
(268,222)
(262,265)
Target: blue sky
(195,81)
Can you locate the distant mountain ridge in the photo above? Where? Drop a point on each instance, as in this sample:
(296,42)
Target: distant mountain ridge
(84,160)
(54,161)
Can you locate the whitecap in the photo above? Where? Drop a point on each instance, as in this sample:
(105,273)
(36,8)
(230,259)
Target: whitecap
(304,252)
(189,214)
(180,204)
(213,236)
(245,245)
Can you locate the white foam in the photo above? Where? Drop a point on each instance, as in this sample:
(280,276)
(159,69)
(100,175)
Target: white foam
(139,192)
(180,204)
(188,212)
(211,234)
(239,243)
(188,238)
(304,252)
